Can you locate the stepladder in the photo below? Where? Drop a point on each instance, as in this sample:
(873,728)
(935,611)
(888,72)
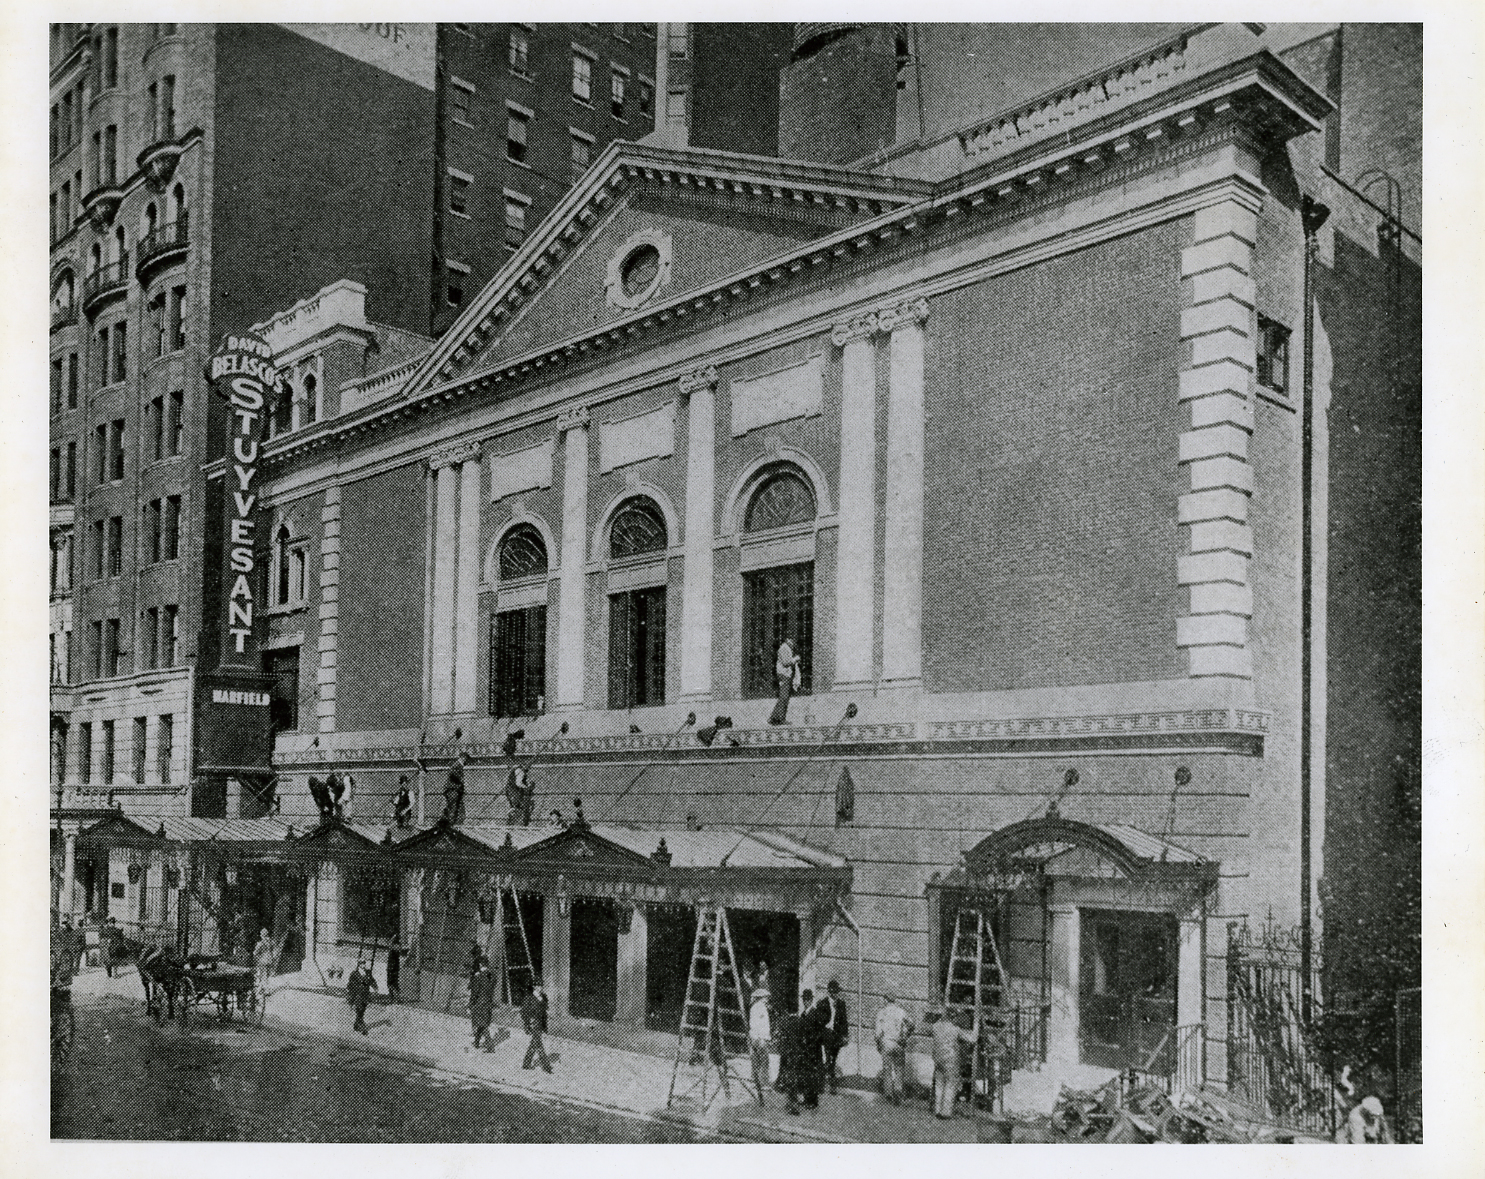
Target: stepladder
(976,985)
(713,1031)
(520,972)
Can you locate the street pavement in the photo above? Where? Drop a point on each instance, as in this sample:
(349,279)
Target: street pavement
(594,1080)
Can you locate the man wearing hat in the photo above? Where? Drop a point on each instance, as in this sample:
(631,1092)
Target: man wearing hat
(893,1029)
(358,990)
(835,1029)
(760,1032)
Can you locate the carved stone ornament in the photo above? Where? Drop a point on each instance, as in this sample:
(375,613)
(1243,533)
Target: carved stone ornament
(702,378)
(454,455)
(908,312)
(102,204)
(862,327)
(572,419)
(158,163)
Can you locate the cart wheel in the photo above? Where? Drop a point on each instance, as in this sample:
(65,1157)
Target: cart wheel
(187,999)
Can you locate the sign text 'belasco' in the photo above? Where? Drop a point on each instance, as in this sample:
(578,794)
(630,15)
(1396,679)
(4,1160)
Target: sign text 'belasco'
(243,373)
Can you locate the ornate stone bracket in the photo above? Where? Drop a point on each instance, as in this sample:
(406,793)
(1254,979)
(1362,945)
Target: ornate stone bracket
(102,204)
(883,319)
(572,419)
(158,163)
(703,378)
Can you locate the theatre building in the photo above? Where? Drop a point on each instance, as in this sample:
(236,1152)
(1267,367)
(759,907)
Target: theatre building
(1013,458)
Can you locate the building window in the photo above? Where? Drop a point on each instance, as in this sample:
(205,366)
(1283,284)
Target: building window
(151,525)
(637,617)
(85,752)
(72,380)
(281,417)
(311,399)
(455,285)
(461,94)
(175,338)
(115,545)
(515,218)
(111,652)
(458,194)
(56,138)
(164,745)
(157,324)
(678,41)
(57,379)
(110,57)
(582,154)
(141,732)
(95,545)
(516,126)
(175,422)
(111,155)
(167,107)
(520,52)
(170,529)
(65,206)
(156,426)
(55,472)
(169,635)
(1273,355)
(71,473)
(114,457)
(150,626)
(106,765)
(778,601)
(120,351)
(617,88)
(283,666)
(518,638)
(373,905)
(647,99)
(290,569)
(95,648)
(582,77)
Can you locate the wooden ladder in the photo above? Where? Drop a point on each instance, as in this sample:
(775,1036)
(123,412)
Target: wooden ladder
(714,1023)
(511,922)
(975,984)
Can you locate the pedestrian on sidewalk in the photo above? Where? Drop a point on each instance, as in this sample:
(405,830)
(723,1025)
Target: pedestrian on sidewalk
(949,1035)
(835,1029)
(263,957)
(394,969)
(893,1029)
(791,1052)
(812,1050)
(760,1032)
(358,990)
(482,1002)
(534,1018)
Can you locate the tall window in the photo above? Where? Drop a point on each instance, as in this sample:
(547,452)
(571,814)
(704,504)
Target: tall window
(582,77)
(516,125)
(108,752)
(290,561)
(156,426)
(95,555)
(137,750)
(152,536)
(169,635)
(636,665)
(460,96)
(518,636)
(170,529)
(71,471)
(110,57)
(175,422)
(95,647)
(1273,355)
(515,219)
(111,634)
(311,399)
(458,194)
(111,155)
(120,351)
(72,380)
(582,154)
(115,545)
(167,107)
(520,52)
(283,666)
(116,442)
(157,324)
(150,632)
(175,337)
(165,745)
(778,600)
(282,418)
(617,87)
(85,752)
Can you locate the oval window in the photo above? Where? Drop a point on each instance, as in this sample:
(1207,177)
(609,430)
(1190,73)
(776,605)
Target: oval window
(639,270)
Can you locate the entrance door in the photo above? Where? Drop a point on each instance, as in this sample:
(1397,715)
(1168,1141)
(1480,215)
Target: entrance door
(593,985)
(671,934)
(1127,990)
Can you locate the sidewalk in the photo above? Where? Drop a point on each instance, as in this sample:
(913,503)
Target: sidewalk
(592,1075)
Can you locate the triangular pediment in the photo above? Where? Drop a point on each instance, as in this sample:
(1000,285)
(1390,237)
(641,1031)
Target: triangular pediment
(580,847)
(331,836)
(646,227)
(119,830)
(446,840)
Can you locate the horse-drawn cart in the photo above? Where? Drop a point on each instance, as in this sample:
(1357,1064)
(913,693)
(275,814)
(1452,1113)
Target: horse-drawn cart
(173,986)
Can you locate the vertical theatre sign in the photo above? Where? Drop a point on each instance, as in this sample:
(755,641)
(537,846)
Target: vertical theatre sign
(242,373)
(233,735)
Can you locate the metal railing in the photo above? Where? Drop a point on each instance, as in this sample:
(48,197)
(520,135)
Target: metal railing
(166,239)
(106,279)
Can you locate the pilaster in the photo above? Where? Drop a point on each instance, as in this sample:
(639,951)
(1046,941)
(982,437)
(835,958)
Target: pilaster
(445,565)
(573,426)
(902,555)
(467,580)
(329,611)
(699,388)
(855,588)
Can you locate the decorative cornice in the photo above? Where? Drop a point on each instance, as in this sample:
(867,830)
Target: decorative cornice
(703,378)
(454,455)
(573,419)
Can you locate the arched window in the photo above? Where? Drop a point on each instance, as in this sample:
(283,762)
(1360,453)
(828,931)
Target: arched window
(636,648)
(151,220)
(523,553)
(638,527)
(311,404)
(117,253)
(95,258)
(518,630)
(281,417)
(178,202)
(290,568)
(778,587)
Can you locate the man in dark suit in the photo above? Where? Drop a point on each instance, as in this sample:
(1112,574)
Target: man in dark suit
(812,1048)
(358,990)
(791,1052)
(835,1029)
(534,1017)
(481,1002)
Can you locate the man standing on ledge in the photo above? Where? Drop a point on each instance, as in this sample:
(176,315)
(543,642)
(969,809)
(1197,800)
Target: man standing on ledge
(786,669)
(453,792)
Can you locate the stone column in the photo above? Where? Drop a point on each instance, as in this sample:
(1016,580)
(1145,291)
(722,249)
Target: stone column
(855,579)
(633,955)
(902,557)
(466,603)
(556,945)
(69,873)
(445,563)
(571,599)
(696,594)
